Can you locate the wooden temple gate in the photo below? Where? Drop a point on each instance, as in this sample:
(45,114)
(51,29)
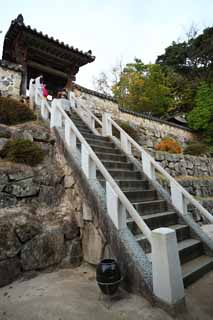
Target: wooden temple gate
(40,54)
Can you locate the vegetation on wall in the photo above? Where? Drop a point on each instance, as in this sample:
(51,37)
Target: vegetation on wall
(13,112)
(169,145)
(22,151)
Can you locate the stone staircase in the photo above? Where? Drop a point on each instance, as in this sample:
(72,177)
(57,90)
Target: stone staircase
(155,210)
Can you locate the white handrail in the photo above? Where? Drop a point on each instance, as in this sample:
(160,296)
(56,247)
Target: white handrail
(91,114)
(124,200)
(156,165)
(118,203)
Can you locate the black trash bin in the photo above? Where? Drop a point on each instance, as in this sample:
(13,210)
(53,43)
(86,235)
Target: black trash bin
(108,276)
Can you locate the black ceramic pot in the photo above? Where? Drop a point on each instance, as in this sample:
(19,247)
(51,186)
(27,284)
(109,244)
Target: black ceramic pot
(108,276)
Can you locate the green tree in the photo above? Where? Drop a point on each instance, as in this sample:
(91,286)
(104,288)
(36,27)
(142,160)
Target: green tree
(144,88)
(201,117)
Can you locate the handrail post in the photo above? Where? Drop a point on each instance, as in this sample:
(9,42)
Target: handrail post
(125,144)
(166,269)
(115,208)
(67,132)
(148,168)
(87,164)
(56,117)
(178,199)
(44,111)
(106,124)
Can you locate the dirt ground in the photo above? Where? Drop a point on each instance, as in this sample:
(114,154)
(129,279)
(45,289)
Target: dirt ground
(72,294)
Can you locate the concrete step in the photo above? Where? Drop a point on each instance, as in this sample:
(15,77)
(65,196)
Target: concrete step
(78,121)
(118,165)
(99,142)
(141,195)
(182,233)
(85,131)
(103,149)
(161,219)
(151,207)
(156,220)
(83,127)
(92,136)
(131,185)
(196,268)
(111,156)
(190,249)
(124,174)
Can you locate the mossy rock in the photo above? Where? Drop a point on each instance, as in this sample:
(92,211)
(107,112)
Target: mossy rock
(22,151)
(13,112)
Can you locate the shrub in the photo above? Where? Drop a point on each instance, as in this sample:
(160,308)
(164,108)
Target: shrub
(13,112)
(22,151)
(196,149)
(168,145)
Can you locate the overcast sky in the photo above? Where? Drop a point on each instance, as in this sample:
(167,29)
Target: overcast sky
(112,29)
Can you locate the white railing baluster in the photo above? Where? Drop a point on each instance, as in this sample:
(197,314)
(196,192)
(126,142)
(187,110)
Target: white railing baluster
(106,124)
(67,132)
(125,144)
(115,209)
(87,164)
(178,199)
(56,116)
(148,168)
(73,139)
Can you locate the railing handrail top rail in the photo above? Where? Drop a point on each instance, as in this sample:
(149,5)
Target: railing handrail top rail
(106,174)
(91,114)
(163,171)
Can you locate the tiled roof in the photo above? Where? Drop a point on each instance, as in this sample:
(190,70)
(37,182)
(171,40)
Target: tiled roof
(94,93)
(19,22)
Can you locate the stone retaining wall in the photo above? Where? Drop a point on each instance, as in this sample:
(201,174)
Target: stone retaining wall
(184,165)
(150,131)
(10,79)
(40,211)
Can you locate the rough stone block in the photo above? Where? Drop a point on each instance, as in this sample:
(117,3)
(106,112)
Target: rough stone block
(44,250)
(9,271)
(9,243)
(93,244)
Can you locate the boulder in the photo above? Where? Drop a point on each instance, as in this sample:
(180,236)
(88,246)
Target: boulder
(21,175)
(23,188)
(4,131)
(9,271)
(27,227)
(44,250)
(70,228)
(9,243)
(7,200)
(68,182)
(92,244)
(73,252)
(22,134)
(3,141)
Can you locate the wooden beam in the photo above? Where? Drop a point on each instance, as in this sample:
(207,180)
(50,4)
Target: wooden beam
(50,55)
(47,69)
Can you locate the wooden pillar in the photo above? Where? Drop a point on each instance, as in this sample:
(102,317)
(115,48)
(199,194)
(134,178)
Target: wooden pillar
(24,80)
